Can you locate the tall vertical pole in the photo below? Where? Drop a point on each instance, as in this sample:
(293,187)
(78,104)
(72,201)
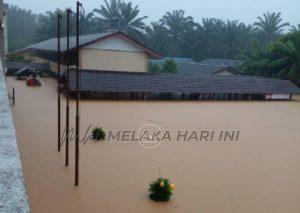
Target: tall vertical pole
(59,17)
(69,12)
(14,96)
(77,97)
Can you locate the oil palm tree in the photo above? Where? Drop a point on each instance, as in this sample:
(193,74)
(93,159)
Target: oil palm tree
(110,13)
(176,22)
(281,59)
(284,57)
(89,23)
(271,26)
(157,37)
(233,37)
(296,28)
(131,23)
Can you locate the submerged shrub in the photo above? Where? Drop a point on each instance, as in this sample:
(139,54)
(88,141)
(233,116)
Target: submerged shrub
(98,134)
(161,190)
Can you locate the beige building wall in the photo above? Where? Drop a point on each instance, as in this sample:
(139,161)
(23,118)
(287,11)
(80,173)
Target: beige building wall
(113,60)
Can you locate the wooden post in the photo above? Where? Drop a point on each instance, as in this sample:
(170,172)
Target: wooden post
(69,12)
(77,97)
(14,96)
(59,17)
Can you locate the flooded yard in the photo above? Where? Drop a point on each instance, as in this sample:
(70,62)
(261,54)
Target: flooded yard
(257,171)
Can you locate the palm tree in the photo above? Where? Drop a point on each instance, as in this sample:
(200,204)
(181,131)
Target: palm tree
(205,33)
(295,28)
(234,36)
(271,26)
(89,23)
(177,24)
(285,57)
(281,59)
(110,13)
(157,37)
(130,22)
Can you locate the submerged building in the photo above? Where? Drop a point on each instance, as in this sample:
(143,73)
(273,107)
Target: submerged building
(115,66)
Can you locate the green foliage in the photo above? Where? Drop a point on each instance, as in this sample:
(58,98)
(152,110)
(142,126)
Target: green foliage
(21,25)
(15,57)
(176,34)
(271,26)
(154,68)
(98,134)
(119,15)
(160,190)
(280,59)
(169,67)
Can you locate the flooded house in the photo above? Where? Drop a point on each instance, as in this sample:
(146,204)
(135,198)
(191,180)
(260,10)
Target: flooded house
(115,66)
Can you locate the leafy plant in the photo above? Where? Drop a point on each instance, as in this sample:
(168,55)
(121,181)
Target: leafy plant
(161,190)
(98,134)
(154,68)
(169,67)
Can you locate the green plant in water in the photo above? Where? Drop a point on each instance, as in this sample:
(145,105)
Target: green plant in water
(161,190)
(98,134)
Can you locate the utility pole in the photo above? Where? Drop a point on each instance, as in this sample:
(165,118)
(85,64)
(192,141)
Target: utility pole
(77,97)
(69,12)
(59,18)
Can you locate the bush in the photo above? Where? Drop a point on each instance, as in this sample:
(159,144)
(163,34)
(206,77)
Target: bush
(169,67)
(161,190)
(98,134)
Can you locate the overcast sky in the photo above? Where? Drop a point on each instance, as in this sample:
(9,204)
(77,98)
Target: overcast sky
(243,10)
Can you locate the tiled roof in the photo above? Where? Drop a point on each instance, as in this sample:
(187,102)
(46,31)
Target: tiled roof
(201,69)
(197,68)
(105,81)
(222,62)
(175,59)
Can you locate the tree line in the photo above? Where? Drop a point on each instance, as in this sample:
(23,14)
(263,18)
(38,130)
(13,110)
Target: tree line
(176,34)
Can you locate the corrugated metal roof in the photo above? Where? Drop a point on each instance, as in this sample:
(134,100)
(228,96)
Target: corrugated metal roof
(105,81)
(12,65)
(50,45)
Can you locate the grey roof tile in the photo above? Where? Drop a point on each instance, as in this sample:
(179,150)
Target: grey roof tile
(222,62)
(106,81)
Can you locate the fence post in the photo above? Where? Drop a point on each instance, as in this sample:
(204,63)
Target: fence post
(14,96)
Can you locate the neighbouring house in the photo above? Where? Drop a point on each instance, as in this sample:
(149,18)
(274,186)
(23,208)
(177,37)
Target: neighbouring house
(14,67)
(222,62)
(115,66)
(114,51)
(203,69)
(175,59)
(206,67)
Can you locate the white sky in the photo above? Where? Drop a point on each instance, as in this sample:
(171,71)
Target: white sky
(243,10)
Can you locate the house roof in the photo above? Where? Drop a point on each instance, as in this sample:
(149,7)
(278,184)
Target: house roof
(25,71)
(222,62)
(106,81)
(175,59)
(202,69)
(50,45)
(12,65)
(197,68)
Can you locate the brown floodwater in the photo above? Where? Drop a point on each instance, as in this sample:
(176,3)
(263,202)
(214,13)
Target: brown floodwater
(259,171)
